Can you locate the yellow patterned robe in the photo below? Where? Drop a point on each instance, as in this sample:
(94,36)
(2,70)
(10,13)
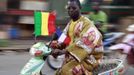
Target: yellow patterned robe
(85,49)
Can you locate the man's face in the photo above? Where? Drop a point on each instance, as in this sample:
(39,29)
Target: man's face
(73,9)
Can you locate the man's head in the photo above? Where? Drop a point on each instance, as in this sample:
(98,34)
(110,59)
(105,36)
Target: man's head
(73,8)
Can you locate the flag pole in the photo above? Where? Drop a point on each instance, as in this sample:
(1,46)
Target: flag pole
(35,39)
(53,37)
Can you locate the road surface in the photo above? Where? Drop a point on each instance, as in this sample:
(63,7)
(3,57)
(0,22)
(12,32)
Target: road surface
(12,62)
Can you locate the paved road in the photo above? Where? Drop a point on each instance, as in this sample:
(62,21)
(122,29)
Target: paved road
(12,62)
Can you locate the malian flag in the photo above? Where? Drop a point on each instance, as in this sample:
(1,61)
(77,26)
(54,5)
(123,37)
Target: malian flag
(44,23)
(62,37)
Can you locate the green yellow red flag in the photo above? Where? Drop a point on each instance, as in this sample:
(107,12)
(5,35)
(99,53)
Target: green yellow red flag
(44,23)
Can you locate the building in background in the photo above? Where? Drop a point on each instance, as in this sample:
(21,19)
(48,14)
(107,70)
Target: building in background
(19,13)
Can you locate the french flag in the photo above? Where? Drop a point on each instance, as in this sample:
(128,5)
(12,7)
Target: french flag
(62,37)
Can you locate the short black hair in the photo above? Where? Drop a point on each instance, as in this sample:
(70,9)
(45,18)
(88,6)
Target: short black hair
(77,1)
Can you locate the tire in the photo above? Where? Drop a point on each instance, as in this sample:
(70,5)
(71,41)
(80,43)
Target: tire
(55,63)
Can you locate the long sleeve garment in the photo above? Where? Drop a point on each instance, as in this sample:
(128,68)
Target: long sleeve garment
(85,48)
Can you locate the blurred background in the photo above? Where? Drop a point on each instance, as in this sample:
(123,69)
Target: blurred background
(16,16)
(17,23)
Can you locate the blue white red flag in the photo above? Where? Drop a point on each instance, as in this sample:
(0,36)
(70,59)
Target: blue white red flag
(62,37)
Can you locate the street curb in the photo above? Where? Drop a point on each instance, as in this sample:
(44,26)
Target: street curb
(17,50)
(17,45)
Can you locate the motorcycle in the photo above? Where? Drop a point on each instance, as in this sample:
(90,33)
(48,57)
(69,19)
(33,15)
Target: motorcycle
(125,50)
(40,52)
